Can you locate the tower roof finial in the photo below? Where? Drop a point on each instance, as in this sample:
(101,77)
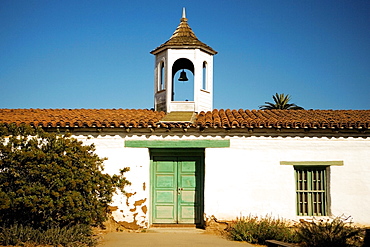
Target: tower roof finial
(183,13)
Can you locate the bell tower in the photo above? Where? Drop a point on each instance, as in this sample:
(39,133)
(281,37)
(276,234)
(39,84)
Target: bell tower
(183,61)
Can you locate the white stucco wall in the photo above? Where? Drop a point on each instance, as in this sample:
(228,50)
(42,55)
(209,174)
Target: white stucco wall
(130,209)
(246,178)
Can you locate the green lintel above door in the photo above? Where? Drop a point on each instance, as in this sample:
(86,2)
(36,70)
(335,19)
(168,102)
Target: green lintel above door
(177,143)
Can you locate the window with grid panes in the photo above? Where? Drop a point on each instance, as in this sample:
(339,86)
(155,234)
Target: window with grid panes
(311,191)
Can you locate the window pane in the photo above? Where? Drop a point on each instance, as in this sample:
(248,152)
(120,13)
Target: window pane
(311,191)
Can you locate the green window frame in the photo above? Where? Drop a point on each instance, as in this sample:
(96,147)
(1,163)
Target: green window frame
(311,190)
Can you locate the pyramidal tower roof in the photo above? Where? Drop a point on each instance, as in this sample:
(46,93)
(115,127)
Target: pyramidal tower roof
(184,37)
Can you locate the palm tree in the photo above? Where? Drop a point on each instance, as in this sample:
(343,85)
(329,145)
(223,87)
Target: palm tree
(281,102)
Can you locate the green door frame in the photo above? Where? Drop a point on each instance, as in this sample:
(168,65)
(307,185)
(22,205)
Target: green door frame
(198,153)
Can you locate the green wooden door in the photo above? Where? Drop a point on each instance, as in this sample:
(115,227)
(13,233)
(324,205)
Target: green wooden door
(176,190)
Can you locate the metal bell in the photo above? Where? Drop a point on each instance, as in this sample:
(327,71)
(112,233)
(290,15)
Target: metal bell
(183,76)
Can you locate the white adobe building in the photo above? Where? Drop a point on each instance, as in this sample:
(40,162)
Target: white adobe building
(189,162)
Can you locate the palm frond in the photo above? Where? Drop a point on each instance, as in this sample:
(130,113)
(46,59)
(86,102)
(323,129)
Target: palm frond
(281,102)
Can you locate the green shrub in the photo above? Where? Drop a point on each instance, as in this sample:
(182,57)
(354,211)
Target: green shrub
(258,230)
(50,180)
(78,235)
(338,232)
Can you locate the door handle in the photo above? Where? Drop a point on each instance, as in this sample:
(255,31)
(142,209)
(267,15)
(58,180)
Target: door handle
(180,189)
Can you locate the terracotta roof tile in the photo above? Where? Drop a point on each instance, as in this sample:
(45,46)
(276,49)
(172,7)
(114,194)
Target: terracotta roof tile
(81,117)
(340,119)
(137,118)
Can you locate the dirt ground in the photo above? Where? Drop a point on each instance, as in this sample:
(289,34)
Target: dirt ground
(214,236)
(167,239)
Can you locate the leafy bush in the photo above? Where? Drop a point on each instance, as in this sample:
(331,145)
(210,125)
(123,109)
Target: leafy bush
(258,230)
(50,181)
(78,235)
(338,232)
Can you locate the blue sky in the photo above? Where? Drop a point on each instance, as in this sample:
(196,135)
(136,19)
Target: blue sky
(95,54)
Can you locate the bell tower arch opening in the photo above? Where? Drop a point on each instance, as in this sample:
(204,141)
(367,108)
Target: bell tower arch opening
(183,80)
(204,76)
(161,77)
